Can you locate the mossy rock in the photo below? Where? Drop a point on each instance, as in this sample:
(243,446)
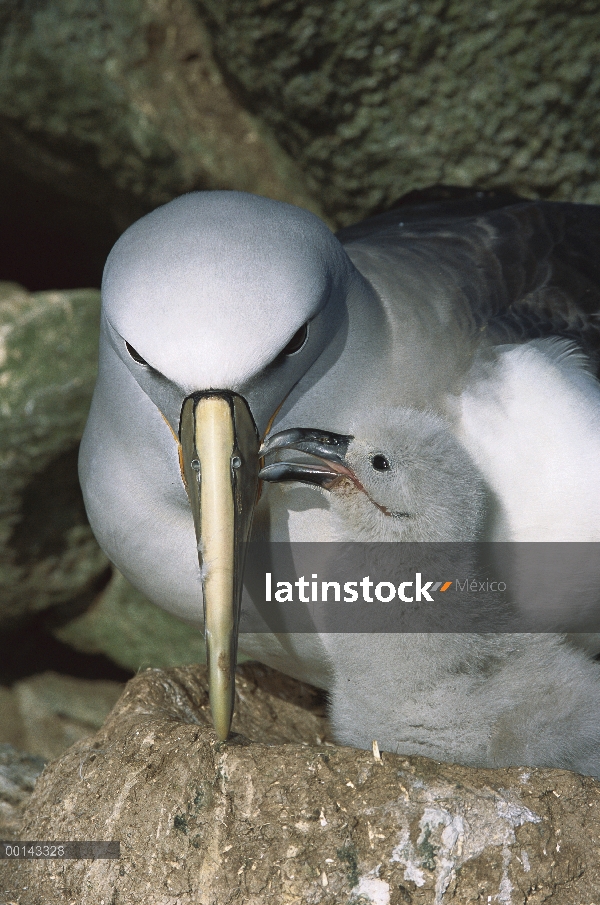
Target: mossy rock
(48,355)
(373,99)
(122,105)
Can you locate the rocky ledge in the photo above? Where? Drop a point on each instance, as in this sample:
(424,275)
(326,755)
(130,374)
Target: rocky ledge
(279,813)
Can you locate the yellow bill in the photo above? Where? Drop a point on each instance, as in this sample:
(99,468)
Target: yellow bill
(219,444)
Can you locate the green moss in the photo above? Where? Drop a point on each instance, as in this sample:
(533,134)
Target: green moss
(426,850)
(180,823)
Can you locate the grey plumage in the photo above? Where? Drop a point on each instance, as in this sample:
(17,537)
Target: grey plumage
(429,490)
(483,700)
(480,699)
(403,312)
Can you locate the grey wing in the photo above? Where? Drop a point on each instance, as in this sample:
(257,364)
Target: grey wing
(519,269)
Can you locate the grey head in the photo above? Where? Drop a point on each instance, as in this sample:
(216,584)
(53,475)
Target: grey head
(398,475)
(210,290)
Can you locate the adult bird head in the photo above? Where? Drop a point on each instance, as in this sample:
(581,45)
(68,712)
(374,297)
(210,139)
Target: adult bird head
(400,476)
(217,304)
(224,291)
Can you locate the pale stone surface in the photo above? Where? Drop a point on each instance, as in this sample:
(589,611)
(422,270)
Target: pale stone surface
(12,728)
(265,820)
(45,714)
(57,710)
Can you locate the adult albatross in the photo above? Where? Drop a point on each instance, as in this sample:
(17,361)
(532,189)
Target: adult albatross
(226,315)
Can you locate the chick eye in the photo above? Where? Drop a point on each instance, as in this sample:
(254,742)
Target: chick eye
(297,341)
(380,463)
(136,355)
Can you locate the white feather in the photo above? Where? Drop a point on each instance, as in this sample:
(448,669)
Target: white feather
(531,422)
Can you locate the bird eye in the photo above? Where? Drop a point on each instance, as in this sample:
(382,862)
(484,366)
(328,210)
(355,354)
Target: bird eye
(297,341)
(380,463)
(136,355)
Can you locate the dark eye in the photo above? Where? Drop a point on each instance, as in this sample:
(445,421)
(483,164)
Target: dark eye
(136,355)
(380,463)
(297,341)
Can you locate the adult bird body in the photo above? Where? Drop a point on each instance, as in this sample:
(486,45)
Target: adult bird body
(226,302)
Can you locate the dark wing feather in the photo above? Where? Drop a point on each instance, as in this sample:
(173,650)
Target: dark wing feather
(523,269)
(444,202)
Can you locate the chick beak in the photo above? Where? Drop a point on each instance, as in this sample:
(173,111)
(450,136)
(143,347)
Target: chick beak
(328,448)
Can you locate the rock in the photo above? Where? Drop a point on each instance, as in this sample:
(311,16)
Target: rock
(55,711)
(373,99)
(339,107)
(48,353)
(274,816)
(134,633)
(123,107)
(12,730)
(50,564)
(18,773)
(45,714)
